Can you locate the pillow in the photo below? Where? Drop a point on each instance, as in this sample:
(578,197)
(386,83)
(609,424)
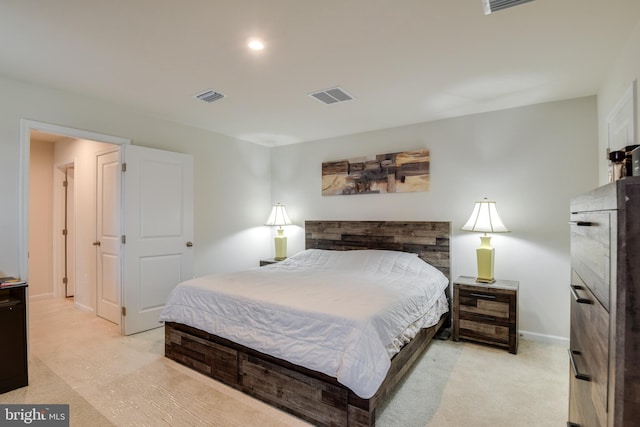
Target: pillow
(364,260)
(399,267)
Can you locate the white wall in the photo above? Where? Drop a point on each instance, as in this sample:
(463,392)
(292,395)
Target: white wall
(621,75)
(232,177)
(41,220)
(530,160)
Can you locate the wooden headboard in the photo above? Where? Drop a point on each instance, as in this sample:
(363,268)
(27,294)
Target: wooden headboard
(428,239)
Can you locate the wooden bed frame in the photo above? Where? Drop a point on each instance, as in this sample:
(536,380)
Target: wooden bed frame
(307,394)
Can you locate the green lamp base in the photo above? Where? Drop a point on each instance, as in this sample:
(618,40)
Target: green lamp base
(281,246)
(485,255)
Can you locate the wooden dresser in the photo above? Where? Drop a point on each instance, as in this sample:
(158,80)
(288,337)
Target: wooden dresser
(604,386)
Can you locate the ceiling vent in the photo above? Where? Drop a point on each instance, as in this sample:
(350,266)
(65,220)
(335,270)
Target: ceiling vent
(209,96)
(491,6)
(331,96)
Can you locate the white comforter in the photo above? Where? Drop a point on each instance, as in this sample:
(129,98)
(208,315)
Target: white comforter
(341,313)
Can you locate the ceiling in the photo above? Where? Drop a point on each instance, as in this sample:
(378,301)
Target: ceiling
(404,61)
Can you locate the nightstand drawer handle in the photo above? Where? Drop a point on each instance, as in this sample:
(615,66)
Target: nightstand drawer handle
(574,292)
(576,373)
(582,223)
(483,296)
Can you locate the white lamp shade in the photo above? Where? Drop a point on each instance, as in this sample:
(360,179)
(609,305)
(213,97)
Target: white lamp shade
(278,216)
(485,219)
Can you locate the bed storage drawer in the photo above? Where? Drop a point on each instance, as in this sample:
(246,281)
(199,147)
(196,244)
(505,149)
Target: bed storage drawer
(297,393)
(588,354)
(204,356)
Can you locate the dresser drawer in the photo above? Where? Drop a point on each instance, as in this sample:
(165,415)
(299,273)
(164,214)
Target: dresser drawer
(589,341)
(482,303)
(591,251)
(486,332)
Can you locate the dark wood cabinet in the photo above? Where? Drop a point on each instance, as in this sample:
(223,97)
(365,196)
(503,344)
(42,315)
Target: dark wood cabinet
(604,353)
(13,338)
(486,313)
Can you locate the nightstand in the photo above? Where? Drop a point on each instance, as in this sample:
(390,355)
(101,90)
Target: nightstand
(264,262)
(486,312)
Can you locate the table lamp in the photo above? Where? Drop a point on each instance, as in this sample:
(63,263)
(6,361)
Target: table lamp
(485,219)
(279,217)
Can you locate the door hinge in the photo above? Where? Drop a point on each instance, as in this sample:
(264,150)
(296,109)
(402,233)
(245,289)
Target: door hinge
(65,183)
(124,167)
(124,311)
(65,281)
(64,232)
(123,239)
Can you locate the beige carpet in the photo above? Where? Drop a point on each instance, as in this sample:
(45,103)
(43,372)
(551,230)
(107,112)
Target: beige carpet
(109,379)
(419,395)
(490,387)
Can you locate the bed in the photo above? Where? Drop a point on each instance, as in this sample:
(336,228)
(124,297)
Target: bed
(317,384)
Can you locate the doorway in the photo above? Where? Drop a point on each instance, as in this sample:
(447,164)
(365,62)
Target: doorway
(67,270)
(158,253)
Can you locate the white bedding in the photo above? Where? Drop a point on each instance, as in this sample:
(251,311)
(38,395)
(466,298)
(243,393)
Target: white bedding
(342,313)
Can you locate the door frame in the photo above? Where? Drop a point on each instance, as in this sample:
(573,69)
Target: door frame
(58,224)
(26,126)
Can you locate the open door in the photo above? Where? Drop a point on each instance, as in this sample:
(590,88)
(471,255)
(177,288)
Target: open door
(108,232)
(157,232)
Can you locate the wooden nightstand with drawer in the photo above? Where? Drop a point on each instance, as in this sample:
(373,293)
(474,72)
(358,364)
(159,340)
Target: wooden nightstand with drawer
(486,312)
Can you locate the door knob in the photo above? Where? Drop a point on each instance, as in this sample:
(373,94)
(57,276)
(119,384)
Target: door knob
(189,244)
(96,243)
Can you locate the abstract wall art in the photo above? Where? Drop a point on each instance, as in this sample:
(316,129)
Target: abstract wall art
(402,172)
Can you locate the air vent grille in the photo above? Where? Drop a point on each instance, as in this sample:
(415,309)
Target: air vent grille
(491,6)
(332,95)
(209,96)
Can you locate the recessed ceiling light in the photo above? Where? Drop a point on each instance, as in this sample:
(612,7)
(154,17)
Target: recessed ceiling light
(255,44)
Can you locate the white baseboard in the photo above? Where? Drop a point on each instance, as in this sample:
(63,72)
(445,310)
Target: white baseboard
(40,296)
(83,307)
(551,339)
(79,306)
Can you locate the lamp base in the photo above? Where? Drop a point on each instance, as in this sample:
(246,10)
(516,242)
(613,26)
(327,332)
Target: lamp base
(281,246)
(485,255)
(480,280)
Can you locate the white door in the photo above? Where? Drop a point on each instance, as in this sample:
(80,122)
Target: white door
(158,230)
(107,243)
